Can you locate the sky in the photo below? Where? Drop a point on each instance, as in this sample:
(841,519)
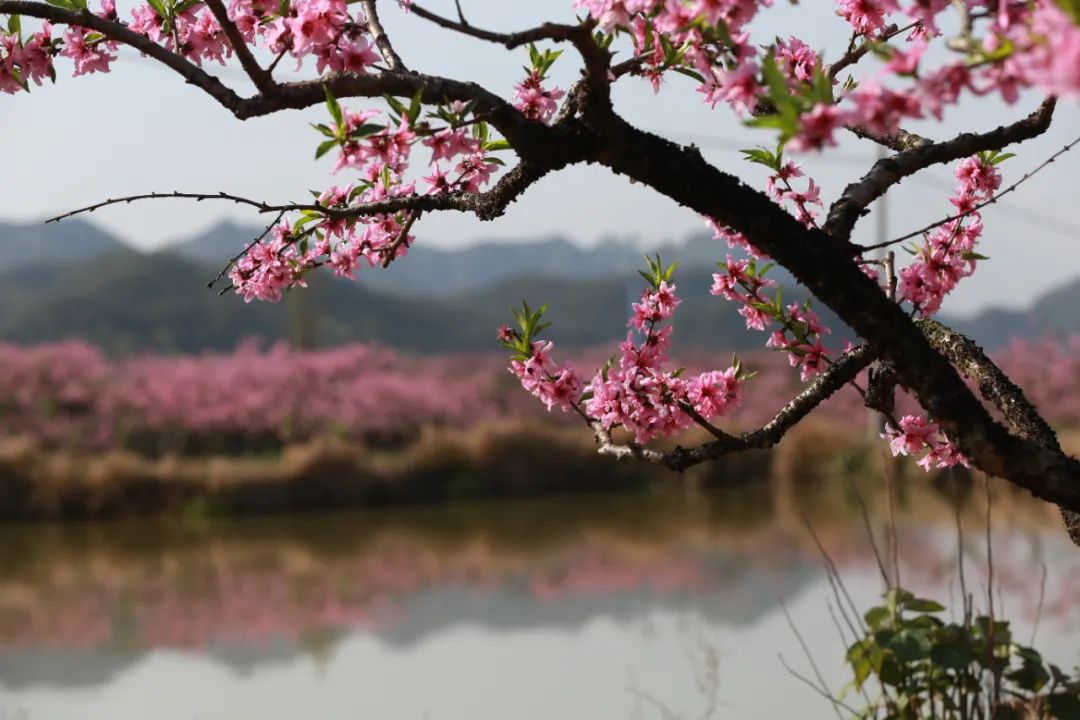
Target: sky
(140,128)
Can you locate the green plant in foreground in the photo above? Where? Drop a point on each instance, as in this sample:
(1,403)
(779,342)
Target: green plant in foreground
(910,664)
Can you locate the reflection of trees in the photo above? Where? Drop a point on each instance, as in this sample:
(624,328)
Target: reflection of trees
(251,591)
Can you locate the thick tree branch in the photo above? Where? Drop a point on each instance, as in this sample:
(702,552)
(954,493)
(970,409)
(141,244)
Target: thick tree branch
(1022,417)
(824,264)
(858,196)
(838,374)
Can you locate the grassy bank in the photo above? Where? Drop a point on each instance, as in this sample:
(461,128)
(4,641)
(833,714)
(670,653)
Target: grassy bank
(521,459)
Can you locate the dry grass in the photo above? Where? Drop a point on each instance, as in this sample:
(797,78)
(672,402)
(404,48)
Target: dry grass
(504,460)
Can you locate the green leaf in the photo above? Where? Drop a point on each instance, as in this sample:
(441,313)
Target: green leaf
(1002,157)
(923,605)
(762,156)
(496,145)
(876,617)
(395,105)
(333,106)
(366,130)
(415,106)
(15,25)
(1071,9)
(324,129)
(325,147)
(682,70)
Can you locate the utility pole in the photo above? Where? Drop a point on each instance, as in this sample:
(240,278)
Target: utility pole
(875,420)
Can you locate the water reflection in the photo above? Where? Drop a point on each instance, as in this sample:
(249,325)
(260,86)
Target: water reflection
(578,607)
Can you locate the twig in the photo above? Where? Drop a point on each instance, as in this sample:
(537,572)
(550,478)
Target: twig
(887,172)
(837,704)
(382,40)
(869,531)
(1039,610)
(261,78)
(390,252)
(233,260)
(1027,176)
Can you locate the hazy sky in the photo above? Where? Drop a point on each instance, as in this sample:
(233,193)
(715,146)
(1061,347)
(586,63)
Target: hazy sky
(140,128)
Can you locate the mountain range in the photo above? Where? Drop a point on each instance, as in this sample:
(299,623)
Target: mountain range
(72,280)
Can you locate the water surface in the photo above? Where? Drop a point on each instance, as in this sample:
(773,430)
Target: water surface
(604,607)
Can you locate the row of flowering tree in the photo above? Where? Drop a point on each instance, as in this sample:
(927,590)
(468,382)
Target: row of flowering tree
(70,395)
(439,144)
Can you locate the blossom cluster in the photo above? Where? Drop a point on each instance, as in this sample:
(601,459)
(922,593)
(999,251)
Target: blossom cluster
(332,233)
(552,383)
(948,252)
(638,393)
(634,391)
(535,101)
(914,434)
(786,85)
(794,328)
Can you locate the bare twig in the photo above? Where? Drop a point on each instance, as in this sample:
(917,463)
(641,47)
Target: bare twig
(382,41)
(997,196)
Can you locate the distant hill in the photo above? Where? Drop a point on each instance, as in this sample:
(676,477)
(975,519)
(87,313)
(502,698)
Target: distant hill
(65,243)
(1054,313)
(130,302)
(436,272)
(217,245)
(73,280)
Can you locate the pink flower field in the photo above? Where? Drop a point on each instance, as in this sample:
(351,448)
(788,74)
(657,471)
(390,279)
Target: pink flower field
(71,396)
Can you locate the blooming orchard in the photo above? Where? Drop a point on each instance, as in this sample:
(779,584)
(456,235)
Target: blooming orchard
(438,144)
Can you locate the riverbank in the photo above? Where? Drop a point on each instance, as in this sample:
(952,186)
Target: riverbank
(508,459)
(503,460)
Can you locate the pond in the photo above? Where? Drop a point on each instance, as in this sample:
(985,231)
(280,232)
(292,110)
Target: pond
(599,607)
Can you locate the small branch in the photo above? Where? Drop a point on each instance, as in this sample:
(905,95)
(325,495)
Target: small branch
(899,141)
(822,687)
(486,205)
(556,32)
(390,252)
(855,53)
(844,369)
(597,59)
(716,432)
(235,258)
(261,78)
(921,231)
(382,40)
(887,172)
(113,30)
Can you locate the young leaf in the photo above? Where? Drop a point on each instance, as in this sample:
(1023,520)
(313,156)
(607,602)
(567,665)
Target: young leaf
(325,147)
(333,106)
